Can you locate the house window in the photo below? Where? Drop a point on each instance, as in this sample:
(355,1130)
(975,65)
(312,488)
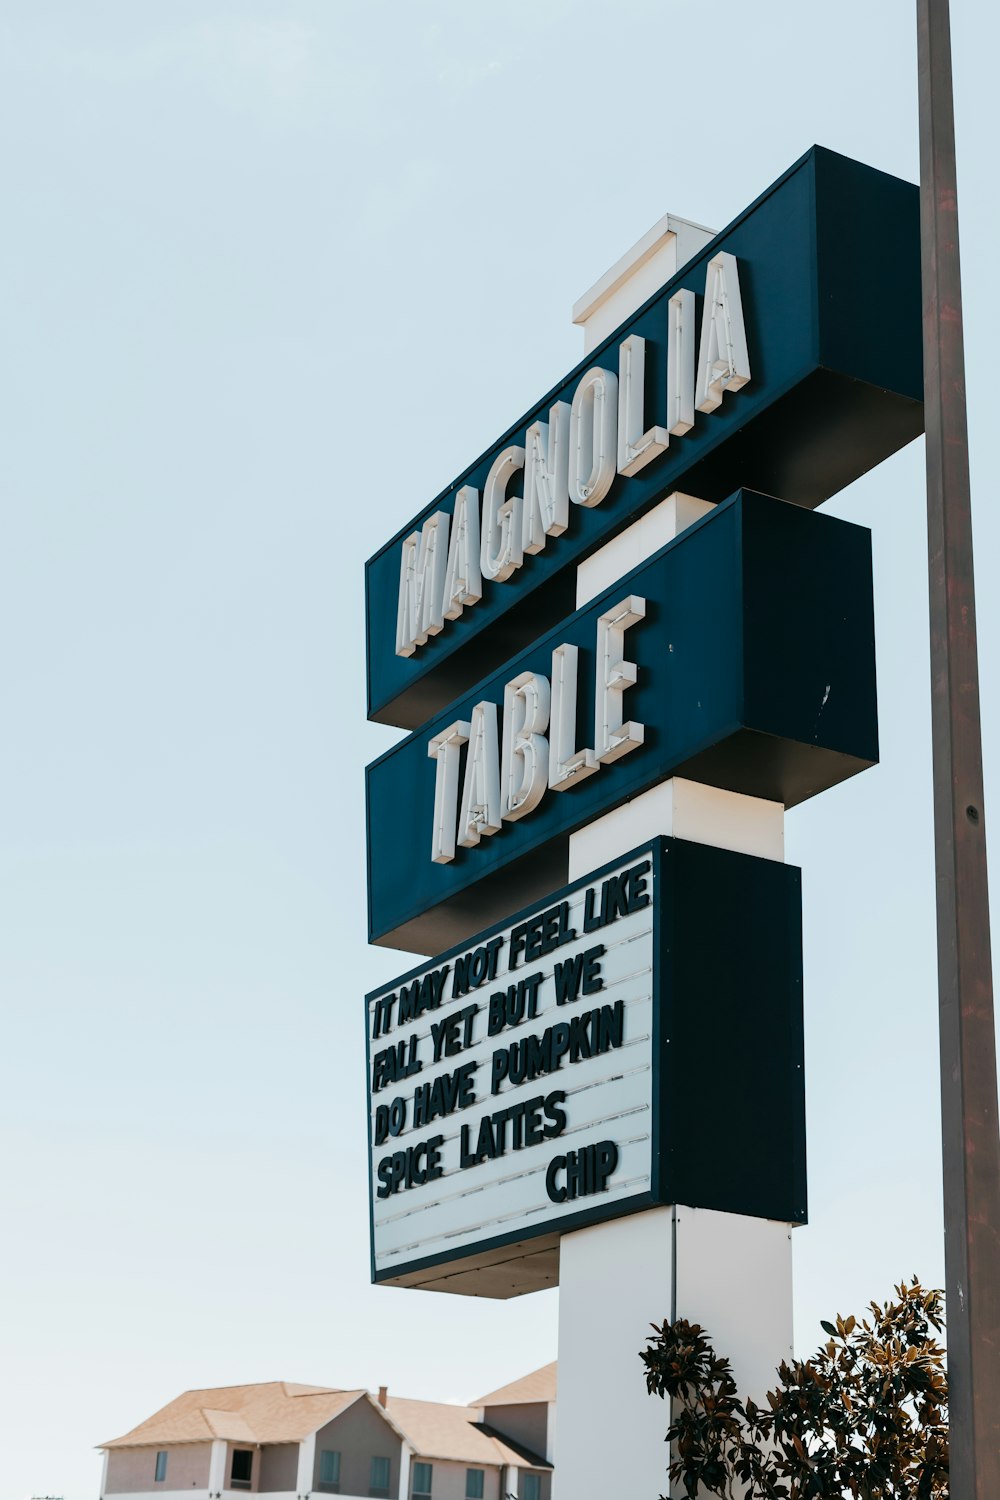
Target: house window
(379,1477)
(329,1471)
(161,1466)
(240,1474)
(474,1484)
(422,1476)
(531,1487)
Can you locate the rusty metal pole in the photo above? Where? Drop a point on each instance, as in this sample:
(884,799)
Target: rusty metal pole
(971,1144)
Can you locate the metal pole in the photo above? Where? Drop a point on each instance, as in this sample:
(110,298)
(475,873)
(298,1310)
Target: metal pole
(971,1144)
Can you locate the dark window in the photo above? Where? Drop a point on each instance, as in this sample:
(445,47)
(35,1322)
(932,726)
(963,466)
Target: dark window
(329,1471)
(379,1477)
(474,1484)
(161,1466)
(423,1474)
(531,1487)
(242,1469)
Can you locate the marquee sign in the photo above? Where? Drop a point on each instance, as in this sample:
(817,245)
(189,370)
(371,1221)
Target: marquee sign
(634,1040)
(786,356)
(741,655)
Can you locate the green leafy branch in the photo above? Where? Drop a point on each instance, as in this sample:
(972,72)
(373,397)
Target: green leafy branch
(865,1417)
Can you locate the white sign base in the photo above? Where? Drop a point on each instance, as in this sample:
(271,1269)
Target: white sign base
(728,1272)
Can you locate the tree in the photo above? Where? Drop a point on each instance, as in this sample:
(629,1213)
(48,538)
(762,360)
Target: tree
(865,1417)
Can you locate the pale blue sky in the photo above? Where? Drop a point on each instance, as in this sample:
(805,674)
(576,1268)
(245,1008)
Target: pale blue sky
(272,274)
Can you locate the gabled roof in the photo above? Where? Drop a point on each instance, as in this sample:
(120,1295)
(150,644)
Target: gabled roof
(540,1385)
(229,1425)
(276,1411)
(279,1412)
(434,1429)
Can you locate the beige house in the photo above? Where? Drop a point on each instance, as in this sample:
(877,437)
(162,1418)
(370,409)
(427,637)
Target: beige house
(296,1441)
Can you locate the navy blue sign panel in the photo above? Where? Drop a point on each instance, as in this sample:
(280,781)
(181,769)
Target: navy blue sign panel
(635,1040)
(829,276)
(755,672)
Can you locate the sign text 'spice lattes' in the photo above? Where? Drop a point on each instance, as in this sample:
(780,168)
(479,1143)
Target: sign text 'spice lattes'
(556,1069)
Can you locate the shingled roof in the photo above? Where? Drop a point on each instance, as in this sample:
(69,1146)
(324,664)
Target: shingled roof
(540,1385)
(274,1412)
(434,1429)
(279,1412)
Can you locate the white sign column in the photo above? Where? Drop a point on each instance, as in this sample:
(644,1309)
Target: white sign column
(731,1273)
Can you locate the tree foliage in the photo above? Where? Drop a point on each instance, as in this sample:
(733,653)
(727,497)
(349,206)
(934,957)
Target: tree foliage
(865,1417)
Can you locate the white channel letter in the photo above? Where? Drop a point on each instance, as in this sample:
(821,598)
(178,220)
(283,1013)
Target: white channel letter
(637,445)
(480,811)
(567,764)
(593,437)
(546,479)
(421,584)
(501,553)
(613,737)
(463,581)
(446,749)
(525,764)
(723,361)
(680,363)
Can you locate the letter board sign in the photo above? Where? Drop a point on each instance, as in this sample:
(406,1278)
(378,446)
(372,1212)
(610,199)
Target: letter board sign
(741,655)
(786,357)
(635,1040)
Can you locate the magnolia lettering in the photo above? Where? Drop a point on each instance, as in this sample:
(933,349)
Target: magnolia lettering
(572,459)
(507,777)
